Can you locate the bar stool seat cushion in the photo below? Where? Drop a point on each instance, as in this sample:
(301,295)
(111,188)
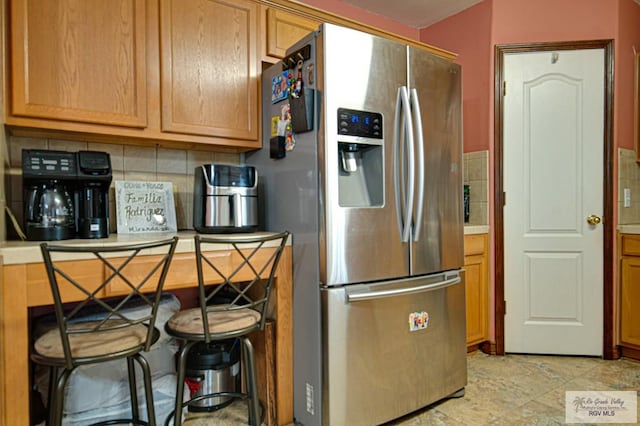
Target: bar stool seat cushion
(189,321)
(92,344)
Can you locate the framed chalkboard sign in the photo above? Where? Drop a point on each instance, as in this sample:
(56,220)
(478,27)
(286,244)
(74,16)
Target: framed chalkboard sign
(143,207)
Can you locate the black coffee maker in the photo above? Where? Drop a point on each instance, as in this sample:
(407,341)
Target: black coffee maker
(48,179)
(66,194)
(92,194)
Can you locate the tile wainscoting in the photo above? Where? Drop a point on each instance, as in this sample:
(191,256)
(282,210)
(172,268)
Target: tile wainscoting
(476,175)
(628,177)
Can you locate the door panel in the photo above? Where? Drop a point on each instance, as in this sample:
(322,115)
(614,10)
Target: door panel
(553,150)
(210,67)
(440,234)
(56,73)
(362,243)
(373,355)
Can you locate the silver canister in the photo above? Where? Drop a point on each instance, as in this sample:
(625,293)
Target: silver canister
(213,368)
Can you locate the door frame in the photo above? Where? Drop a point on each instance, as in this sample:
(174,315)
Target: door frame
(610,350)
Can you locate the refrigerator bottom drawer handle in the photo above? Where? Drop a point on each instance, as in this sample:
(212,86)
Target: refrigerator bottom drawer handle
(357,294)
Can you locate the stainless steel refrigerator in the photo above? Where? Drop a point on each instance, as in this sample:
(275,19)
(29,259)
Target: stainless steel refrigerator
(361,160)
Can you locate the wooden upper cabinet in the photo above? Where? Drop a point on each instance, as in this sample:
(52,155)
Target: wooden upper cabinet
(284,29)
(79,60)
(209,67)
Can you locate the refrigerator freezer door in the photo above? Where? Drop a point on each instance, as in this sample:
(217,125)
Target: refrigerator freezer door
(359,72)
(435,87)
(393,348)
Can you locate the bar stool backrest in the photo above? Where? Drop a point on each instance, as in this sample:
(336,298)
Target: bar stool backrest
(243,273)
(118,270)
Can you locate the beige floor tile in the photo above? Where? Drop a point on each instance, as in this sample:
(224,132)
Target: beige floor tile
(508,390)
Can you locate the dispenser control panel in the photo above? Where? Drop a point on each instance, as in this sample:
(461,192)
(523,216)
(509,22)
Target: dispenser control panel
(359,123)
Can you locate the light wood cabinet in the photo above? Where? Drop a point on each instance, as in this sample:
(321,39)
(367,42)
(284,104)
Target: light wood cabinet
(283,29)
(171,72)
(79,61)
(477,289)
(209,55)
(182,271)
(630,292)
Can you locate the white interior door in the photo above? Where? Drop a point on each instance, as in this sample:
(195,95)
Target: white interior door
(553,180)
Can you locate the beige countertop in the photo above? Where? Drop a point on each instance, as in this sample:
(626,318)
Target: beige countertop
(18,252)
(633,228)
(476,229)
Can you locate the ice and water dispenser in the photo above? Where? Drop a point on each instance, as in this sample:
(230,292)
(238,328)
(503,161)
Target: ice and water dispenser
(360,152)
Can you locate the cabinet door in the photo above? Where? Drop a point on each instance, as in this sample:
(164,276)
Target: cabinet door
(38,287)
(476,290)
(209,56)
(630,301)
(79,60)
(283,30)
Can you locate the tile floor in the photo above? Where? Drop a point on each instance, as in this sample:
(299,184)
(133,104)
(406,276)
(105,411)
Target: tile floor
(509,390)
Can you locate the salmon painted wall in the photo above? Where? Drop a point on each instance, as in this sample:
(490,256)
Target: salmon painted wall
(519,21)
(627,43)
(361,15)
(469,35)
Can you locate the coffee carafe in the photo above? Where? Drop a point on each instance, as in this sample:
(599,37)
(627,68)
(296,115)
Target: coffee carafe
(50,214)
(48,178)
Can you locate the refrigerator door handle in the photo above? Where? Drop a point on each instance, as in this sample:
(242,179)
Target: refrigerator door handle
(417,116)
(398,123)
(403,117)
(362,292)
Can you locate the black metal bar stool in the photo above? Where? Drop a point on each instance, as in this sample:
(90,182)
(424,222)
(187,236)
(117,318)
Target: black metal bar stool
(245,277)
(111,333)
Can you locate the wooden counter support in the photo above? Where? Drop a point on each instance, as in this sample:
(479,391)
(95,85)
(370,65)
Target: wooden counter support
(24,285)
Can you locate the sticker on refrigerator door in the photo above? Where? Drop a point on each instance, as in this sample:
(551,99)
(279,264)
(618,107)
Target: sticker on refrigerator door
(418,320)
(280,86)
(275,121)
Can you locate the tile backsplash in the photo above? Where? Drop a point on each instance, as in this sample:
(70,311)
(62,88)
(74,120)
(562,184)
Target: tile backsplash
(628,177)
(128,163)
(476,175)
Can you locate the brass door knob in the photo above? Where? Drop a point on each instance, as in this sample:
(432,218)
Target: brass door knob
(593,219)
